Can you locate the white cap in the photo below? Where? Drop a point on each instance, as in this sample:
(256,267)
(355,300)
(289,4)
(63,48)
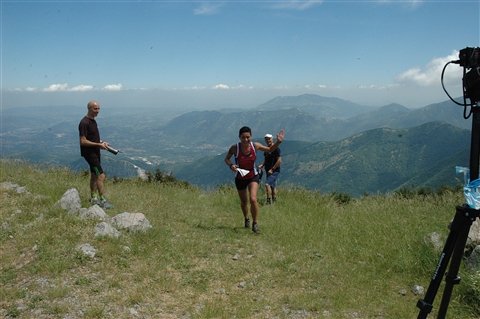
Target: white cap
(269,136)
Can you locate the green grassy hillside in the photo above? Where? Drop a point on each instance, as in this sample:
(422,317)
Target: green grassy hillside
(317,256)
(379,160)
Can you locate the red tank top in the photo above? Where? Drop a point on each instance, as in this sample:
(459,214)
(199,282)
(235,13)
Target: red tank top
(246,161)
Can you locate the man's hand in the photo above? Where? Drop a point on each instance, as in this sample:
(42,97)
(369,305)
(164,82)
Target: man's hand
(103,145)
(280,136)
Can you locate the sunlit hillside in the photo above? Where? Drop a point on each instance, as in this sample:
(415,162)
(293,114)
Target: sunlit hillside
(318,255)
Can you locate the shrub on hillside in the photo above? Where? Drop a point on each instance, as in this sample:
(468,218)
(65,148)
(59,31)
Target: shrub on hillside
(161,177)
(341,197)
(423,191)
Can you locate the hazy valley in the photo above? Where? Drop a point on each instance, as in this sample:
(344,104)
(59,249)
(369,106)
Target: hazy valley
(331,144)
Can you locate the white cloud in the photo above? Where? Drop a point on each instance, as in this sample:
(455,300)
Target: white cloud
(56,87)
(241,86)
(79,88)
(412,3)
(208,9)
(297,4)
(82,88)
(371,87)
(113,87)
(431,73)
(221,86)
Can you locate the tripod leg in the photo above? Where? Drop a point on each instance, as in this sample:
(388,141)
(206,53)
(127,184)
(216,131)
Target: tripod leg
(426,304)
(452,277)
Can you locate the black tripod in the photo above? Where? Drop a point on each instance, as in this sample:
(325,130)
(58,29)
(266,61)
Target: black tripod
(457,238)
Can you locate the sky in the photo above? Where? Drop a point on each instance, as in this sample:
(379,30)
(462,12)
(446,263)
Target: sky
(232,54)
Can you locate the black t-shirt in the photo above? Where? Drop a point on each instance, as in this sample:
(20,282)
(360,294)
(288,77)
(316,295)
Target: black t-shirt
(88,128)
(271,159)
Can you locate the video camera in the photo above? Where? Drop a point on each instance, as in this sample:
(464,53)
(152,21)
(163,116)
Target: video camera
(470,59)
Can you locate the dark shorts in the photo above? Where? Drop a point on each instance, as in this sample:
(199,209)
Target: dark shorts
(241,184)
(95,166)
(272,179)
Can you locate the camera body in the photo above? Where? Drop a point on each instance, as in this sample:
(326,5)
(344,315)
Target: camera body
(472,84)
(469,57)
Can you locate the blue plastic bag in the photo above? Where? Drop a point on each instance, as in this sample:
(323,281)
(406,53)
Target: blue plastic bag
(466,174)
(471,190)
(472,194)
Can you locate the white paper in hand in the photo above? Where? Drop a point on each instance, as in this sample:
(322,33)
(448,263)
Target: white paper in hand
(243,172)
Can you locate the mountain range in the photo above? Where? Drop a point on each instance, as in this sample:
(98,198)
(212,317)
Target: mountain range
(331,144)
(378,160)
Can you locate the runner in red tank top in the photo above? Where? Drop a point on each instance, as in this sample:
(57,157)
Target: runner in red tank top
(246,171)
(246,161)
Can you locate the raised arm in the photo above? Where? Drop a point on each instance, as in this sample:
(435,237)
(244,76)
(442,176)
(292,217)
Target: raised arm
(274,146)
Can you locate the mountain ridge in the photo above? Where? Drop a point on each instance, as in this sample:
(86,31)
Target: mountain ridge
(381,159)
(172,140)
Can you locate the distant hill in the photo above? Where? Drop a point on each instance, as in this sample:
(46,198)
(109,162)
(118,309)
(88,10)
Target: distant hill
(446,111)
(152,138)
(380,117)
(377,160)
(316,105)
(302,121)
(441,173)
(211,171)
(380,159)
(212,127)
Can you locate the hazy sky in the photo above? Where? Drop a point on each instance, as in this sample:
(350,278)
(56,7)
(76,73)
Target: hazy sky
(215,54)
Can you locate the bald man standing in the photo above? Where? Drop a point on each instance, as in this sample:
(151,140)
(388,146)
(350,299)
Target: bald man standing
(90,145)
